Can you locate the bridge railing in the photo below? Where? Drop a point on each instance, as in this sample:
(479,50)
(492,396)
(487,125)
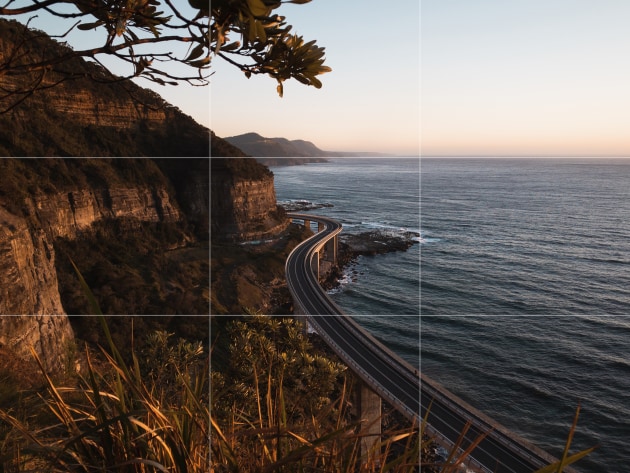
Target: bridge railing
(374,384)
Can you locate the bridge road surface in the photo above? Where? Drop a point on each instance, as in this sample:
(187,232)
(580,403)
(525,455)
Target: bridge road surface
(501,451)
(385,373)
(303,284)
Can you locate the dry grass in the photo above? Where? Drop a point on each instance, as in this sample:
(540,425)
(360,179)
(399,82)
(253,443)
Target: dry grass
(114,420)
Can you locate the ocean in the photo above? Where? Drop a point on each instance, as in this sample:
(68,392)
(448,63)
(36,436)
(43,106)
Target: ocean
(525,296)
(366,194)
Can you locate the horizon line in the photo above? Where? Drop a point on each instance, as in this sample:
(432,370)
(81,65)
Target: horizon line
(532,156)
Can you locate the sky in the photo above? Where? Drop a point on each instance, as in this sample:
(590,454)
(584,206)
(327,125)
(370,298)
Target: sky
(525,78)
(194,101)
(369,102)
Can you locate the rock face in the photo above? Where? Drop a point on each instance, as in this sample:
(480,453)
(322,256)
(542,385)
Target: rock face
(67,214)
(27,263)
(244,201)
(27,257)
(51,337)
(42,200)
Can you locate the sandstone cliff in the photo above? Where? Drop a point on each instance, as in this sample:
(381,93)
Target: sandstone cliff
(244,201)
(27,265)
(51,209)
(43,202)
(68,213)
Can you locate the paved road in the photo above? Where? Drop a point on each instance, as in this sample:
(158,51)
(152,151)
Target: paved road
(500,452)
(307,294)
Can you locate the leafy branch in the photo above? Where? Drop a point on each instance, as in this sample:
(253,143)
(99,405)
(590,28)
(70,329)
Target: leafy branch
(265,44)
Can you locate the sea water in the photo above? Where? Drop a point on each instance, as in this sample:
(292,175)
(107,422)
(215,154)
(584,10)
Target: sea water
(525,296)
(366,194)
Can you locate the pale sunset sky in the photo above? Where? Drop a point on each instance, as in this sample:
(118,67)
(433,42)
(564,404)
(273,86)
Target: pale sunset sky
(525,77)
(369,102)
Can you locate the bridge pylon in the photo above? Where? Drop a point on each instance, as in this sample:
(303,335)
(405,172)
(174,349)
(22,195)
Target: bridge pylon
(370,413)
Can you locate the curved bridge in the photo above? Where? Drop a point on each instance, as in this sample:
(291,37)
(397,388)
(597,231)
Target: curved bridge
(384,372)
(308,296)
(393,379)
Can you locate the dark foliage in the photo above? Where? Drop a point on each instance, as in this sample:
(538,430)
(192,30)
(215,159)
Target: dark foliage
(128,268)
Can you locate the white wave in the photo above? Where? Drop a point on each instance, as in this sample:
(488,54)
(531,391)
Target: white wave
(348,277)
(423,238)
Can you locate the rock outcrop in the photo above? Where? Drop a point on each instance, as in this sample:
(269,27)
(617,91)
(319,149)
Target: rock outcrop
(244,201)
(50,336)
(67,214)
(27,265)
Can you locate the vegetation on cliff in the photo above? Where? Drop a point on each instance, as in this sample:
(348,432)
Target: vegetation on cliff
(250,278)
(131,271)
(283,402)
(239,169)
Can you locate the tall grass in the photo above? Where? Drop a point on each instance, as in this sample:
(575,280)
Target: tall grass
(115,419)
(268,444)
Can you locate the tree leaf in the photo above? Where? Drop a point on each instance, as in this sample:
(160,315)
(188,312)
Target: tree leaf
(90,26)
(257,7)
(196,52)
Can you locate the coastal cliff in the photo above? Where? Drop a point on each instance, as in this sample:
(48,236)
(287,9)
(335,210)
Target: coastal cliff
(244,201)
(83,209)
(84,117)
(251,239)
(27,264)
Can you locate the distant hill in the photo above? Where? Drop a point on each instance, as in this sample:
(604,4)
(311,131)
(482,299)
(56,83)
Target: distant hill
(222,149)
(82,117)
(255,145)
(262,147)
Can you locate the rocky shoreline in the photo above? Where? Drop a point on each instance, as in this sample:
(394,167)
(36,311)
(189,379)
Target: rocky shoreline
(301,205)
(370,243)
